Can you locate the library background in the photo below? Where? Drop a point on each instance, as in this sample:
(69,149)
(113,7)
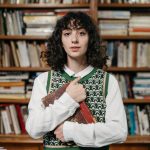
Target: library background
(24,27)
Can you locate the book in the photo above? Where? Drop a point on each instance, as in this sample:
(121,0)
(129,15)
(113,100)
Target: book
(82,114)
(11,84)
(15,120)
(20,118)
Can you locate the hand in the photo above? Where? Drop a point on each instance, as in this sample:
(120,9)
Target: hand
(59,133)
(76,90)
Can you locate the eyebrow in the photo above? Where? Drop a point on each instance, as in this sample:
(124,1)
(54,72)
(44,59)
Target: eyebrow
(79,28)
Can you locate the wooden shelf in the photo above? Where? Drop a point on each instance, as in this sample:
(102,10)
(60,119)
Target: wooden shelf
(110,69)
(43,6)
(22,37)
(128,6)
(11,138)
(136,101)
(131,37)
(26,100)
(23,138)
(14,101)
(34,69)
(129,69)
(28,37)
(138,139)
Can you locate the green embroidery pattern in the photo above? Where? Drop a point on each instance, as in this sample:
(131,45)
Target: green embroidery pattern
(95,99)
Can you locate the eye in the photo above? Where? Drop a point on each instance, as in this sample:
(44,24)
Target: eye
(66,33)
(82,33)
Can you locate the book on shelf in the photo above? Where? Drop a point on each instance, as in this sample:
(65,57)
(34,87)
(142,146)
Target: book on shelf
(139,25)
(33,54)
(112,26)
(13,76)
(20,118)
(13,118)
(82,115)
(128,54)
(110,14)
(24,112)
(9,118)
(141,86)
(8,84)
(138,119)
(5,121)
(21,54)
(13,96)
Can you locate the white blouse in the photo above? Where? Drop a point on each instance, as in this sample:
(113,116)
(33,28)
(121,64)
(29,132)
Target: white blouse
(40,120)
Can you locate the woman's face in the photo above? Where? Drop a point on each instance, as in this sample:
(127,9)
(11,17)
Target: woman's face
(75,42)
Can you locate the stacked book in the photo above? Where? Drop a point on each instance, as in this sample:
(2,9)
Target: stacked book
(16,85)
(113,22)
(139,25)
(141,87)
(61,12)
(39,23)
(12,86)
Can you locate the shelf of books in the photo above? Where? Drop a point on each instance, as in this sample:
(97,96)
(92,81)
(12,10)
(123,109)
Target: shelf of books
(125,32)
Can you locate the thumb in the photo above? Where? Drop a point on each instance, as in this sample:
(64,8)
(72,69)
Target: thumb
(75,81)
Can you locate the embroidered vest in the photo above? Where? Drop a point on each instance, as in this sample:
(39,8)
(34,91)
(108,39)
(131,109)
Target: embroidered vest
(96,88)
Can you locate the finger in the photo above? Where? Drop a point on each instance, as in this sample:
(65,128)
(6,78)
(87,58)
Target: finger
(55,132)
(75,81)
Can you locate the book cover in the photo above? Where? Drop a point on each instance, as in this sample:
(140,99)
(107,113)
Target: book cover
(82,114)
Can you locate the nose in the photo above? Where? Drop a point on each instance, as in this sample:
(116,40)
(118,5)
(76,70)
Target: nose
(74,38)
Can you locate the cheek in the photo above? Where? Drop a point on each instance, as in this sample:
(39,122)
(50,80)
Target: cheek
(85,43)
(64,43)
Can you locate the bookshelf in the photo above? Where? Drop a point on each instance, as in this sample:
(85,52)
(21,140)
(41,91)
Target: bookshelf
(136,141)
(23,140)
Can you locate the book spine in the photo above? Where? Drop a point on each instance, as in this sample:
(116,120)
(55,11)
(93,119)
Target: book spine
(86,113)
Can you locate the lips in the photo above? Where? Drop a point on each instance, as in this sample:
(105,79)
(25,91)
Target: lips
(75,48)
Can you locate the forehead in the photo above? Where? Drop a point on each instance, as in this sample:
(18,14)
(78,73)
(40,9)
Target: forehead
(75,24)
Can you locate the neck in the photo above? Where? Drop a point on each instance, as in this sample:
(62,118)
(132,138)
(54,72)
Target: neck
(76,65)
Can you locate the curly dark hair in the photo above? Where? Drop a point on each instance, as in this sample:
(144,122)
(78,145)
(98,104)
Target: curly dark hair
(55,54)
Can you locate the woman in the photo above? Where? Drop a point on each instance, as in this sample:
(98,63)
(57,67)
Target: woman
(74,53)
